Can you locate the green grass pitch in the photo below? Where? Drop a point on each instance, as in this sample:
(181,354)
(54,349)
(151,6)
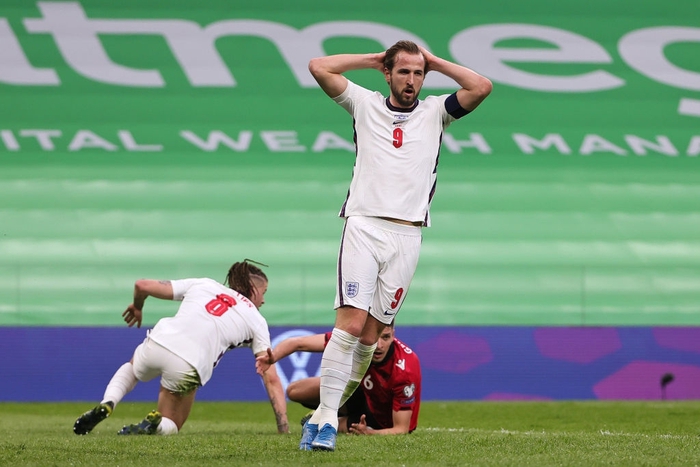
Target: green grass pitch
(587,433)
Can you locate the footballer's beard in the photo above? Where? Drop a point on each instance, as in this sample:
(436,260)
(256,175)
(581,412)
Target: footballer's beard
(404,100)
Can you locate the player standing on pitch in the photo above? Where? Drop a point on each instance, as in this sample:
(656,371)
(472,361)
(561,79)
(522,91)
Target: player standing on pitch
(397,141)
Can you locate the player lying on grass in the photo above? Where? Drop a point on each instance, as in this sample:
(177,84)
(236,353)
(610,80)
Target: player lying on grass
(389,401)
(184,349)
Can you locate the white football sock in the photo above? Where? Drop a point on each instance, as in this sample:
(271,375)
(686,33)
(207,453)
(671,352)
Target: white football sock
(121,384)
(361,359)
(167,427)
(336,366)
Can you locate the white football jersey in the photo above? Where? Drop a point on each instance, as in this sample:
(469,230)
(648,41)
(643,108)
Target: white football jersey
(397,154)
(211,320)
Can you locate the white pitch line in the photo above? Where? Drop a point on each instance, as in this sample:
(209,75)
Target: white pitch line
(503,431)
(689,107)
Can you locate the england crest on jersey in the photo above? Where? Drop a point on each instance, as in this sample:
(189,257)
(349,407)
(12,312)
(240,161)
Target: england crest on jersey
(351,289)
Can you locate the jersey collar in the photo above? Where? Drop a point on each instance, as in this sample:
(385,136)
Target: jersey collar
(399,109)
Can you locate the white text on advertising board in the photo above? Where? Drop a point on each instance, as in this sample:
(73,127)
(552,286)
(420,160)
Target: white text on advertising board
(77,37)
(289,142)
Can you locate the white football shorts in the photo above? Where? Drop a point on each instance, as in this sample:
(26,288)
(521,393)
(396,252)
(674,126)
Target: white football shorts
(376,263)
(151,360)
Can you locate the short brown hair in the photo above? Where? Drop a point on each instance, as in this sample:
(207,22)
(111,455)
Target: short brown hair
(401,46)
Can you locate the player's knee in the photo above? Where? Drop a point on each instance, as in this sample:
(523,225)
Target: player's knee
(350,319)
(293,391)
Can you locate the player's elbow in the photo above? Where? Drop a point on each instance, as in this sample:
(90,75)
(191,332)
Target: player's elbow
(321,68)
(141,286)
(483,87)
(316,67)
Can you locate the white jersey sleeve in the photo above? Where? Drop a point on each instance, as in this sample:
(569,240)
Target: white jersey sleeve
(353,97)
(397,153)
(181,286)
(211,320)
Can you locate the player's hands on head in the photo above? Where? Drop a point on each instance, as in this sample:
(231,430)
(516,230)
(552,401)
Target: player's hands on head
(132,316)
(429,57)
(379,61)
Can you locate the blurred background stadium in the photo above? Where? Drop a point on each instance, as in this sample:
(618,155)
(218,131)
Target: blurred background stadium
(143,140)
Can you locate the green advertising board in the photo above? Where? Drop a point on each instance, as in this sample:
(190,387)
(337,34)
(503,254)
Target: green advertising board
(170,139)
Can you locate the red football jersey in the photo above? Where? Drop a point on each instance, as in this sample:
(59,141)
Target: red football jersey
(393,385)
